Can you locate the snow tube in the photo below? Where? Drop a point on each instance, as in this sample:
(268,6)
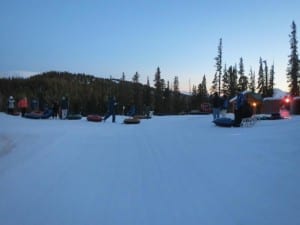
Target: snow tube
(46,114)
(38,115)
(33,115)
(74,117)
(14,113)
(94,118)
(224,122)
(131,121)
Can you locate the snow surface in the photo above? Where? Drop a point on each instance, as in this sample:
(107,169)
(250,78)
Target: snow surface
(169,170)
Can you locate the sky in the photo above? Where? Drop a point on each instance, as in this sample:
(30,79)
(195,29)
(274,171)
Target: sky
(107,38)
(166,170)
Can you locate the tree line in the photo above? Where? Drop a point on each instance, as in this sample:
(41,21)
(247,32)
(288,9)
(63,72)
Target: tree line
(232,78)
(89,94)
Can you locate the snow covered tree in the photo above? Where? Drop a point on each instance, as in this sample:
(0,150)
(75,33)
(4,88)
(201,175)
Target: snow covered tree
(293,63)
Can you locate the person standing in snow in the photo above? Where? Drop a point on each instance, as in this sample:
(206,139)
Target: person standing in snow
(10,105)
(238,112)
(64,105)
(54,109)
(23,104)
(216,105)
(224,105)
(111,109)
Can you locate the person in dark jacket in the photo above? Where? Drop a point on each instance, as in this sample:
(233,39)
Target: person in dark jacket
(216,105)
(224,105)
(238,112)
(55,108)
(131,111)
(64,105)
(111,109)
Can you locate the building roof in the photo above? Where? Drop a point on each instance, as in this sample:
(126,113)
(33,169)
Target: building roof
(248,93)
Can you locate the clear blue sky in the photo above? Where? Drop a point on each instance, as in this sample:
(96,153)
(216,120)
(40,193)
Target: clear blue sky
(106,38)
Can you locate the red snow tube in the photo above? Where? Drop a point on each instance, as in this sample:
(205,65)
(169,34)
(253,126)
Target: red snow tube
(94,118)
(131,121)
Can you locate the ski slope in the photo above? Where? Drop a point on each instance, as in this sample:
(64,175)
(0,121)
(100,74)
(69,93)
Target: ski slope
(168,170)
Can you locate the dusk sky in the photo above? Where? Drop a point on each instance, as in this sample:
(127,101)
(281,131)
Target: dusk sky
(107,38)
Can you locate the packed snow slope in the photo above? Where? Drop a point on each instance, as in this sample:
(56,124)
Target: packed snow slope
(169,170)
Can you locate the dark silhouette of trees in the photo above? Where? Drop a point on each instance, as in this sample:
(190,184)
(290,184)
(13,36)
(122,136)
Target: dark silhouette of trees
(88,94)
(293,63)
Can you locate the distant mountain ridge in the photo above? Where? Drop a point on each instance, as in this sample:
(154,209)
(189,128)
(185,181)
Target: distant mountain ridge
(17,73)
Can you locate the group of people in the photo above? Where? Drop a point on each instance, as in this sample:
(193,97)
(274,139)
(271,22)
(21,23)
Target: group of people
(242,107)
(219,105)
(22,105)
(111,109)
(60,109)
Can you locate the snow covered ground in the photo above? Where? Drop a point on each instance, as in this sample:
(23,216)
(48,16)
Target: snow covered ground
(170,170)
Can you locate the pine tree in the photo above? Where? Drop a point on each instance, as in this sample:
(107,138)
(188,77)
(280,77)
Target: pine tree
(158,96)
(194,98)
(157,79)
(136,77)
(176,102)
(214,85)
(148,81)
(147,94)
(123,76)
(194,90)
(261,79)
(266,79)
(241,67)
(219,67)
(202,91)
(293,64)
(176,85)
(271,81)
(233,85)
(252,81)
(204,88)
(225,81)
(243,80)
